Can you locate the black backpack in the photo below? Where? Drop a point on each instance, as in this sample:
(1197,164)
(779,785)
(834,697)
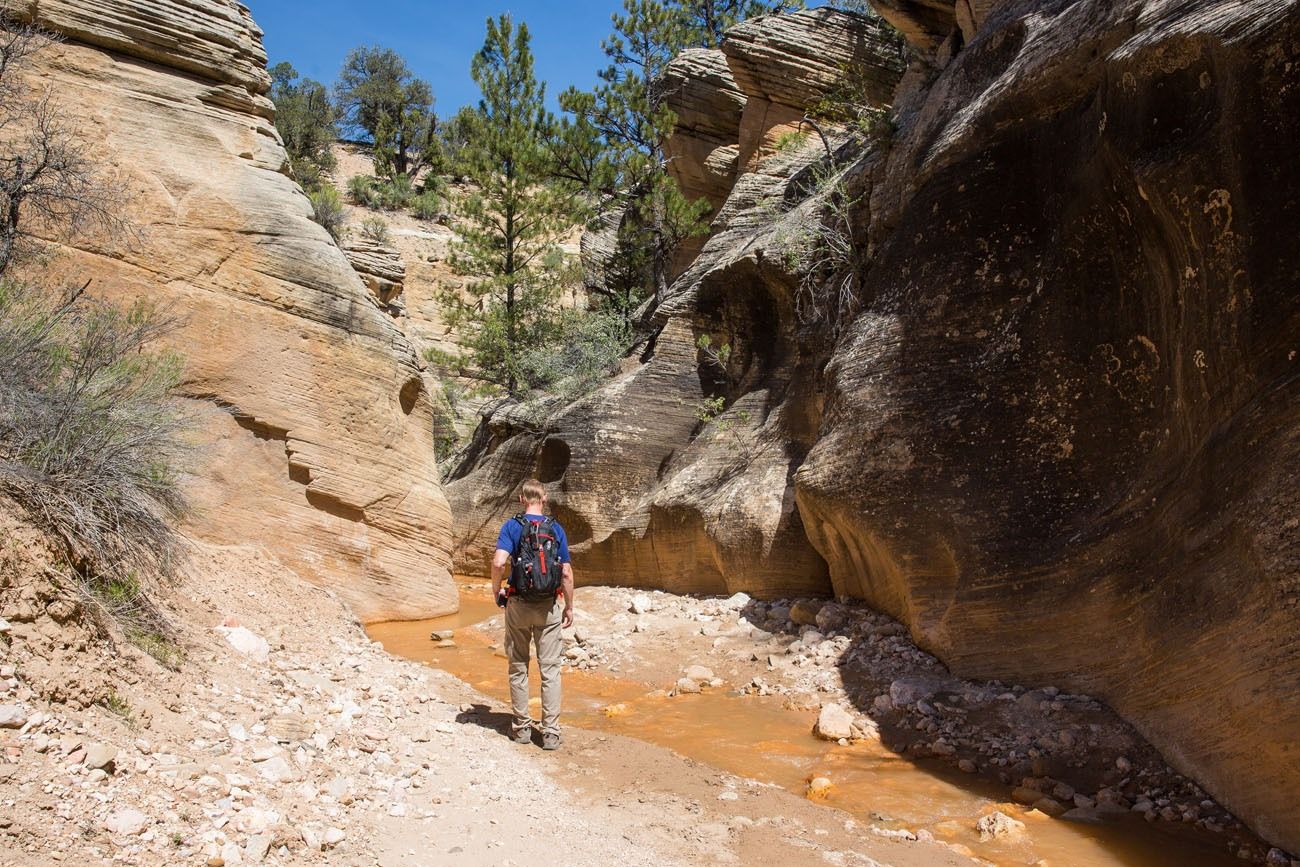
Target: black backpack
(537,570)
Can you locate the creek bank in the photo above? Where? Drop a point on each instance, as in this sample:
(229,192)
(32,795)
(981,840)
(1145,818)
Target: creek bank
(1053,753)
(327,750)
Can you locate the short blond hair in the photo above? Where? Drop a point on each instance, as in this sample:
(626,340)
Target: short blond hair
(532,491)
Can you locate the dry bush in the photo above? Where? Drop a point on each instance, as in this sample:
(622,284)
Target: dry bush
(47,179)
(91,440)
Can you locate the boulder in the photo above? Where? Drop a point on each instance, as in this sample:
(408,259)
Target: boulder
(998,824)
(833,723)
(804,612)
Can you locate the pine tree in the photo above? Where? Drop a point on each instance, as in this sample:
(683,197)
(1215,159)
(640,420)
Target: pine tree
(304,117)
(380,99)
(509,246)
(705,21)
(627,116)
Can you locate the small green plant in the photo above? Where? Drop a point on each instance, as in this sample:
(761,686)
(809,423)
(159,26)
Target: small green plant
(710,408)
(375,229)
(360,190)
(168,653)
(791,141)
(718,356)
(327,209)
(178,839)
(118,706)
(427,205)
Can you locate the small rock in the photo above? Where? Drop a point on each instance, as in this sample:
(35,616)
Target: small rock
(334,836)
(833,723)
(640,604)
(818,787)
(998,824)
(257,847)
(736,601)
(442,634)
(804,612)
(966,766)
(686,686)
(230,855)
(12,716)
(100,756)
(1025,795)
(126,822)
(246,642)
(1082,814)
(1050,806)
(728,795)
(5,626)
(698,672)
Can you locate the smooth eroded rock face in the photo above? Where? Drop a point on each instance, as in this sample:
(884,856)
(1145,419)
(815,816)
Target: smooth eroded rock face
(313,410)
(1061,440)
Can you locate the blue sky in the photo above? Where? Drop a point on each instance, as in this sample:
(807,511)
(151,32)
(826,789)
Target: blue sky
(437,38)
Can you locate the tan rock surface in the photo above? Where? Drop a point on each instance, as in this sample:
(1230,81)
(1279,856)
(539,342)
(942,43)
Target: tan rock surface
(310,402)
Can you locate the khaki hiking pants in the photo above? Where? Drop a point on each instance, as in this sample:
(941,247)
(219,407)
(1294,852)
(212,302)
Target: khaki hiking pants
(535,623)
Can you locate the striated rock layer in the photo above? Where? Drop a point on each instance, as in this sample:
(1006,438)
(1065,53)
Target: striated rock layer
(312,408)
(1061,441)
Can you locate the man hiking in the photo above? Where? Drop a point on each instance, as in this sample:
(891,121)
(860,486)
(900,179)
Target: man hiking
(534,552)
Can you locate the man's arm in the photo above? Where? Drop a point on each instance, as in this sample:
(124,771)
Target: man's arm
(566,584)
(500,563)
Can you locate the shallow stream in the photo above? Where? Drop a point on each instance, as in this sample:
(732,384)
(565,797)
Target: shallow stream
(762,738)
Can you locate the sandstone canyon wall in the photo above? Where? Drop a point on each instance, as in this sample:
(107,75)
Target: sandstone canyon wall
(1059,441)
(312,408)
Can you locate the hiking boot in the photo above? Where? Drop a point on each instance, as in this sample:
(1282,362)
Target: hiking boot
(550,742)
(523,736)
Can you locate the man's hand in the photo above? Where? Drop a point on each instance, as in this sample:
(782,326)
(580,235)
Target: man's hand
(567,620)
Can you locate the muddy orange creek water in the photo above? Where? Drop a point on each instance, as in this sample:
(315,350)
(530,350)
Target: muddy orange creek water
(760,737)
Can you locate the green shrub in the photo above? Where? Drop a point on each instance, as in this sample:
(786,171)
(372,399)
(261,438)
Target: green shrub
(361,190)
(327,209)
(91,439)
(790,141)
(427,205)
(585,352)
(395,193)
(375,229)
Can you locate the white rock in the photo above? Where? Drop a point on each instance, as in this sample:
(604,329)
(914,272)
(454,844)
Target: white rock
(12,716)
(255,820)
(334,836)
(687,686)
(238,732)
(698,672)
(100,756)
(277,770)
(736,601)
(833,723)
(5,626)
(257,847)
(998,824)
(126,822)
(246,642)
(230,854)
(640,604)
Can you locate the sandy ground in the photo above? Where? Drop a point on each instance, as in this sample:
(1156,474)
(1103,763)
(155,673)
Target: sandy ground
(318,747)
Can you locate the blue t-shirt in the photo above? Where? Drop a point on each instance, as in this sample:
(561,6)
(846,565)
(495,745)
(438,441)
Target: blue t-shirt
(512,531)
